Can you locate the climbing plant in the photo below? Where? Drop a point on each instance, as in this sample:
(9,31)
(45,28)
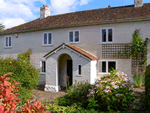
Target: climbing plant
(139,48)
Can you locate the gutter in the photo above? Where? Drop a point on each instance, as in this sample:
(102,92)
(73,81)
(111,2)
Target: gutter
(126,20)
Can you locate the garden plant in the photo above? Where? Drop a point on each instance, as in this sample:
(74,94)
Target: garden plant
(8,98)
(112,92)
(24,73)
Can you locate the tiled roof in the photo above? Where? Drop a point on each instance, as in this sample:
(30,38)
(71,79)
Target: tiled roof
(87,16)
(77,49)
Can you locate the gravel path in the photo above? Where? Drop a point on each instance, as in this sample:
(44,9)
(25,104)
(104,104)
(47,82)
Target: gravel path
(41,95)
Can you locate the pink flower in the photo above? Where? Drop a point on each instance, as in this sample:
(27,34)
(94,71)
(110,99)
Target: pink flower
(85,110)
(98,85)
(116,87)
(106,91)
(118,95)
(103,81)
(113,83)
(117,82)
(107,87)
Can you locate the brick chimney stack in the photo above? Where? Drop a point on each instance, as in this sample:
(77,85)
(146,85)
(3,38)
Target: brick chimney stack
(44,11)
(138,3)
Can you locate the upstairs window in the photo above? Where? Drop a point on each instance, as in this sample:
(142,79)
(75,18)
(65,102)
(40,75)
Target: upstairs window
(47,38)
(107,35)
(74,36)
(8,41)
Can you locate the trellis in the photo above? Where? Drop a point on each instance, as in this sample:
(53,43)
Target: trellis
(122,51)
(118,51)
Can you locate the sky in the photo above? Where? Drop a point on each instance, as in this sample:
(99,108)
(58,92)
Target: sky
(16,12)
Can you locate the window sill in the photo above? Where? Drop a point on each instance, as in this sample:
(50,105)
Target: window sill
(106,43)
(48,45)
(78,75)
(8,47)
(74,42)
(103,73)
(42,73)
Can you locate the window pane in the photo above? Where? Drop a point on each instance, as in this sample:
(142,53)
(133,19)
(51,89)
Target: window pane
(70,36)
(103,66)
(6,41)
(43,66)
(45,38)
(9,41)
(111,65)
(76,36)
(110,35)
(103,35)
(49,38)
(79,69)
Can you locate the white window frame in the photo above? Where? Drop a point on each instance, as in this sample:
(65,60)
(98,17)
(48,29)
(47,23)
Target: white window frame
(106,66)
(78,70)
(47,39)
(107,35)
(41,67)
(8,42)
(74,36)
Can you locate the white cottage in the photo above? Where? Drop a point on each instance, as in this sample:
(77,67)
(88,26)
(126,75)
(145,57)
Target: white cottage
(81,44)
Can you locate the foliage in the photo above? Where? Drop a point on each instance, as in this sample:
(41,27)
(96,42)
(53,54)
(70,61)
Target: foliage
(34,107)
(112,92)
(1,27)
(63,101)
(147,86)
(78,91)
(74,108)
(138,79)
(92,103)
(24,73)
(8,94)
(9,100)
(138,48)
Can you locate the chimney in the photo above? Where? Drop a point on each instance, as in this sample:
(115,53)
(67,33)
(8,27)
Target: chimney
(138,3)
(44,11)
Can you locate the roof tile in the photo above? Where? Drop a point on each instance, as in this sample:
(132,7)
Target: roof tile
(85,17)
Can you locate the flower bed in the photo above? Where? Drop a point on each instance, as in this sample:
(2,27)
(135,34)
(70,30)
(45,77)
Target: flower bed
(112,91)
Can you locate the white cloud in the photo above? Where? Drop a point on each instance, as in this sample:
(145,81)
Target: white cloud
(66,6)
(12,22)
(16,12)
(84,2)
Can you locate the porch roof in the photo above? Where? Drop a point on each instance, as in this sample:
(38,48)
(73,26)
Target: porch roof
(77,49)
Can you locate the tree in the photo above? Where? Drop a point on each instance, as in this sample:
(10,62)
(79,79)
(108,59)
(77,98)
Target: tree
(1,27)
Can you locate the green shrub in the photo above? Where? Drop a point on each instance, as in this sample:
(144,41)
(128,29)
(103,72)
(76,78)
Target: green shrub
(74,108)
(24,73)
(62,101)
(78,91)
(112,92)
(147,87)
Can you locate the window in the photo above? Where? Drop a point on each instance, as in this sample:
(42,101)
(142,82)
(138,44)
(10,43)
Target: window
(43,66)
(106,66)
(8,41)
(111,65)
(79,69)
(47,38)
(74,36)
(107,35)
